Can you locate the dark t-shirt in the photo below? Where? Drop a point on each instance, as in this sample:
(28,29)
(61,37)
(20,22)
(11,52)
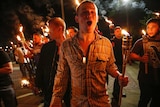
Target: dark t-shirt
(45,68)
(153,74)
(117,47)
(5,79)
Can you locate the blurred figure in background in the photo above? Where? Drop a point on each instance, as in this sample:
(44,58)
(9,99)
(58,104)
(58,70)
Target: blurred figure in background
(116,41)
(7,93)
(36,49)
(71,31)
(21,59)
(49,58)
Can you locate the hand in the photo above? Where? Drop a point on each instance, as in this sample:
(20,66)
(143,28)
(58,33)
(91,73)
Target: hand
(145,58)
(55,103)
(123,80)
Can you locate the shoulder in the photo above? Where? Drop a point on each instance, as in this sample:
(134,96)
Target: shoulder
(139,41)
(51,43)
(4,57)
(103,40)
(70,41)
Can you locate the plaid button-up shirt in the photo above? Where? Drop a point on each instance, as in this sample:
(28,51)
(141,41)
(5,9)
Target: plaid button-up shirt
(88,78)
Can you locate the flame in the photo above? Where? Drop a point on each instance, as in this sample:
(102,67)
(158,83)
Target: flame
(108,21)
(11,43)
(77,2)
(157,14)
(144,32)
(24,82)
(67,32)
(21,28)
(18,38)
(46,29)
(124,32)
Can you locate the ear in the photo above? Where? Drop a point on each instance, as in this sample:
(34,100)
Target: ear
(60,28)
(76,19)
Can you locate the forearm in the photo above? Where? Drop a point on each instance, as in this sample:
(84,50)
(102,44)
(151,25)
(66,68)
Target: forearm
(135,57)
(113,71)
(7,68)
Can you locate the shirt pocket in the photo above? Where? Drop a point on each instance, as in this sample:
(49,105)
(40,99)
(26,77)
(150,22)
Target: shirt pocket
(99,62)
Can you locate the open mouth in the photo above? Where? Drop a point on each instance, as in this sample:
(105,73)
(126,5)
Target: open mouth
(89,23)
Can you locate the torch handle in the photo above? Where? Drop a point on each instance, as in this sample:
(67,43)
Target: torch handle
(146,68)
(146,64)
(145,40)
(123,73)
(120,96)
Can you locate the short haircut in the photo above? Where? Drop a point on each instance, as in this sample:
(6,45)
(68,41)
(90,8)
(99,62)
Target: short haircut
(153,20)
(74,28)
(85,1)
(57,21)
(117,27)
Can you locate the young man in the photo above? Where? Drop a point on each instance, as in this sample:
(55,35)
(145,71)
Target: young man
(7,93)
(117,48)
(86,59)
(146,50)
(49,57)
(71,31)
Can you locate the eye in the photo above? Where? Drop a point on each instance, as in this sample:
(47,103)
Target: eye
(85,13)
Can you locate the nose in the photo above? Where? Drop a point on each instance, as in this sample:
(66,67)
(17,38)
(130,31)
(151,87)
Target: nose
(88,14)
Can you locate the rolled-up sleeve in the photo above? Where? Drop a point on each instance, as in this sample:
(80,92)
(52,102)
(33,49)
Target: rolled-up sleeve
(112,68)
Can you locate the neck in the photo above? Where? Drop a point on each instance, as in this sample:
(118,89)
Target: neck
(86,37)
(59,40)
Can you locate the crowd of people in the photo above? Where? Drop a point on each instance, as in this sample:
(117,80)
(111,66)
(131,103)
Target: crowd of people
(71,67)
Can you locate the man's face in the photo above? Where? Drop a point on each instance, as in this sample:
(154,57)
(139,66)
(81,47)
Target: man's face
(87,17)
(117,33)
(71,32)
(152,29)
(53,31)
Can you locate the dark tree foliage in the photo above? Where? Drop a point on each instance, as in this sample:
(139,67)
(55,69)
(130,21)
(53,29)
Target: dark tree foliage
(33,14)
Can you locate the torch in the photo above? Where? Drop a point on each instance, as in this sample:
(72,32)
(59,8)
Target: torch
(21,34)
(24,82)
(108,21)
(45,30)
(126,45)
(77,2)
(145,40)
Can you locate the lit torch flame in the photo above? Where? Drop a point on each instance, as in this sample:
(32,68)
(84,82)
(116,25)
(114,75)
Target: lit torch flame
(45,30)
(67,32)
(18,38)
(144,32)
(124,32)
(11,43)
(77,2)
(24,82)
(21,33)
(21,28)
(108,21)
(157,14)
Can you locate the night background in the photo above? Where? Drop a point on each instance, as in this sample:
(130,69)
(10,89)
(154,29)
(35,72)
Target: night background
(33,14)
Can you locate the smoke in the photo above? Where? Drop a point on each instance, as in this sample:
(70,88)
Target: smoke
(34,15)
(105,6)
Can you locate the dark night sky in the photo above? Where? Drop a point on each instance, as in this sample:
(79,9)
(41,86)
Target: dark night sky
(34,13)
